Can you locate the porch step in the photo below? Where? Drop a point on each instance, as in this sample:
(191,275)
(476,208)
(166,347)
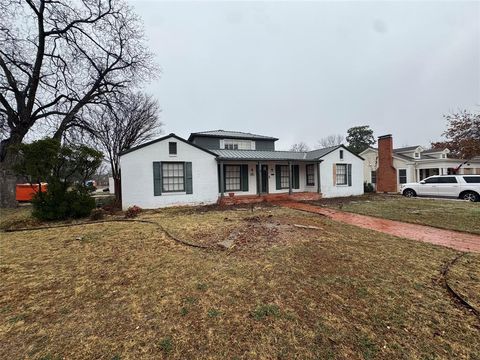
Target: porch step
(253,199)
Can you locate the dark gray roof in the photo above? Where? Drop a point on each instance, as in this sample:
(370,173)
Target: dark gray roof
(260,155)
(231,134)
(164,138)
(401,156)
(432,151)
(407,148)
(314,155)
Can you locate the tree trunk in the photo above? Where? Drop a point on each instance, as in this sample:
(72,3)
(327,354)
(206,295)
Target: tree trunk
(8,182)
(118,191)
(8,177)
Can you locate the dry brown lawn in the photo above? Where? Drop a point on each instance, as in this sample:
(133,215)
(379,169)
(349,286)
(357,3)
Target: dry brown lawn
(125,291)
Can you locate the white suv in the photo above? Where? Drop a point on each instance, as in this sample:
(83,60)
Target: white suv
(466,187)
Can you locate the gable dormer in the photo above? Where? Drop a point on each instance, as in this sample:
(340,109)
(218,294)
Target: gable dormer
(436,153)
(414,152)
(232,140)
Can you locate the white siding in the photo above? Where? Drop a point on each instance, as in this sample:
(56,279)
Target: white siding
(371,163)
(137,176)
(329,189)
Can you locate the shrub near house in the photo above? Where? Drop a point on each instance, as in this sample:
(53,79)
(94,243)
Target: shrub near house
(65,169)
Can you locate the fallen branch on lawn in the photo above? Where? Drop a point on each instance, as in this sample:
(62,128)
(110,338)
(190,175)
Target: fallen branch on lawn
(169,235)
(452,292)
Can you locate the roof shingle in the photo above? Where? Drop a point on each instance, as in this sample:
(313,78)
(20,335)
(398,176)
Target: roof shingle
(231,134)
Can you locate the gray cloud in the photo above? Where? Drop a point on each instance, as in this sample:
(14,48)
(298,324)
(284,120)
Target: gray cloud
(304,70)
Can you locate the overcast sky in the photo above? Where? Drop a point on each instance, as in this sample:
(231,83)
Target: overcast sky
(303,70)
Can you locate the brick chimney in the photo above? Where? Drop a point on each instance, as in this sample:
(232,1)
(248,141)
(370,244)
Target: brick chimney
(386,173)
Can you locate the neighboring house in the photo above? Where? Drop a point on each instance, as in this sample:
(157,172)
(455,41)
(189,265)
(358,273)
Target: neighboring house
(393,167)
(217,164)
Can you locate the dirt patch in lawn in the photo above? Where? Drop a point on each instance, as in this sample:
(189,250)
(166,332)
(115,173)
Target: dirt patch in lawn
(242,228)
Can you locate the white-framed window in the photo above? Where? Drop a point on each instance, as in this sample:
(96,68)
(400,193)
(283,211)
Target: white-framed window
(342,178)
(341,154)
(236,144)
(284,177)
(402,176)
(232,178)
(310,169)
(173,179)
(373,175)
(416,155)
(444,156)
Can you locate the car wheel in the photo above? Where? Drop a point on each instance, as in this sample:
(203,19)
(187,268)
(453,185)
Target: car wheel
(470,196)
(409,193)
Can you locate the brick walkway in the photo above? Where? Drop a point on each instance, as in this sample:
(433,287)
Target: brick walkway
(453,239)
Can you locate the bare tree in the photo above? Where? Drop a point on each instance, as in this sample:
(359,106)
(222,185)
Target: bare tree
(56,59)
(300,147)
(125,122)
(331,140)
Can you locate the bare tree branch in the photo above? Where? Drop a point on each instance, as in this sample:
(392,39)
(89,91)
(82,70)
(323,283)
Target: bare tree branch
(124,122)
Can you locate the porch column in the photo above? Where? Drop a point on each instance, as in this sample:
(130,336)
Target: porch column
(319,187)
(222,181)
(290,178)
(259,178)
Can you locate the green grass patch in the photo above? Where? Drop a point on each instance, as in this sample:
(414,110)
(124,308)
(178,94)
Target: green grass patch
(266,310)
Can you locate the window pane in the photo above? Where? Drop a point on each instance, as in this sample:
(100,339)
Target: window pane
(341,174)
(472,179)
(310,174)
(284,177)
(448,180)
(402,176)
(172,177)
(232,177)
(172,148)
(432,181)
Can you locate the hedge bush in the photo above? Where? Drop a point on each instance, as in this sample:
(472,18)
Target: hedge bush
(58,203)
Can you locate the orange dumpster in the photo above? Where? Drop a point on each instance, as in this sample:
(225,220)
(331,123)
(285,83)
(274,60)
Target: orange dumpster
(25,192)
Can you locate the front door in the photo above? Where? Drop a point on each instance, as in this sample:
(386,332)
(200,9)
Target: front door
(264,179)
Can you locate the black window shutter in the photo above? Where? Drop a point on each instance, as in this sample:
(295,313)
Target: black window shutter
(218,173)
(296,177)
(157,178)
(278,177)
(244,177)
(349,174)
(188,178)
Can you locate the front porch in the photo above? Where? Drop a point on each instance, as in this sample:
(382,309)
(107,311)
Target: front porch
(423,173)
(255,199)
(259,180)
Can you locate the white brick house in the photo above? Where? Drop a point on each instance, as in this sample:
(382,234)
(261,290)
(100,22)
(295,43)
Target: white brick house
(212,165)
